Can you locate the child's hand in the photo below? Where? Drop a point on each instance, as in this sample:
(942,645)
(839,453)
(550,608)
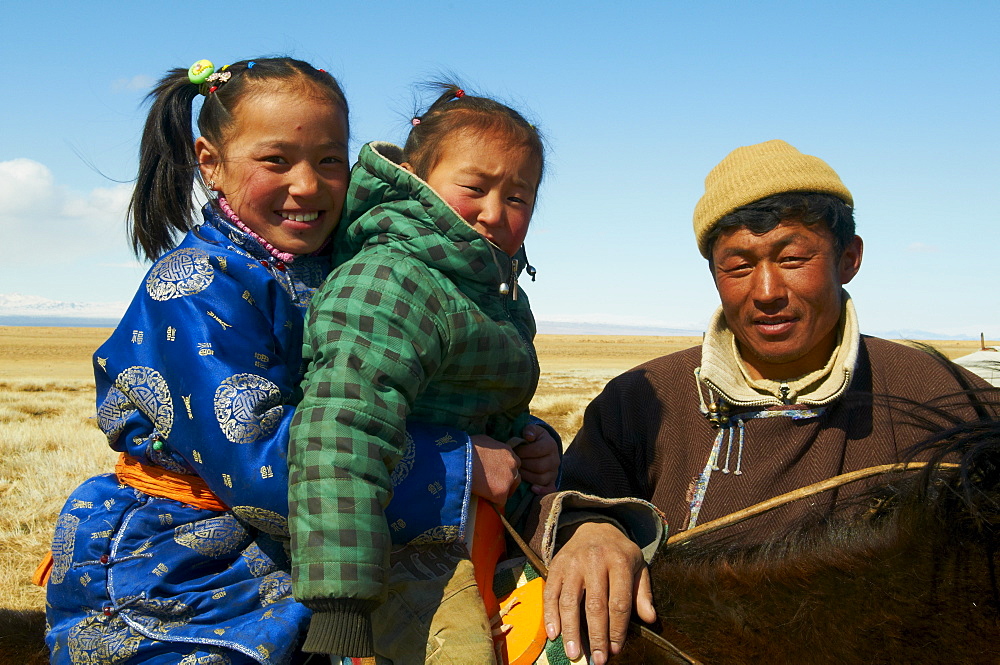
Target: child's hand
(539,459)
(495,473)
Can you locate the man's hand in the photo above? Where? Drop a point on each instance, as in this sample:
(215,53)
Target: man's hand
(539,459)
(495,472)
(601,565)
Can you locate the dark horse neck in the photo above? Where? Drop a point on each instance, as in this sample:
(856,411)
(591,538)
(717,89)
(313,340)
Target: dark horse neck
(906,574)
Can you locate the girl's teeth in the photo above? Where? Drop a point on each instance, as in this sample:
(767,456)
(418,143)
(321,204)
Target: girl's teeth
(304,217)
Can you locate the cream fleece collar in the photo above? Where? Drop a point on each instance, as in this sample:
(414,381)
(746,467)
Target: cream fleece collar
(722,368)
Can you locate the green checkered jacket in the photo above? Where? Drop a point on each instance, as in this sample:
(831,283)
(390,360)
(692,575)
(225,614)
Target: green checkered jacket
(414,325)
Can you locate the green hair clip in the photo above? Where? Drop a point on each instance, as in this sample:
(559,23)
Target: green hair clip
(199,72)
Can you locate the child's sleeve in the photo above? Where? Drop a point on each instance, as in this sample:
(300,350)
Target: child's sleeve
(376,334)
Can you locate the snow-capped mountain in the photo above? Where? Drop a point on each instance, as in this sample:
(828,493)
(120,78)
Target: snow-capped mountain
(23,310)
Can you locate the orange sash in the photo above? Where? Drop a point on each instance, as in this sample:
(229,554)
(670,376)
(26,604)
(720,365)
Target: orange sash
(154,481)
(41,576)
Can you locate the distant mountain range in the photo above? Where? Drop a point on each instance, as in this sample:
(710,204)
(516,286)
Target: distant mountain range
(917,334)
(21,310)
(596,328)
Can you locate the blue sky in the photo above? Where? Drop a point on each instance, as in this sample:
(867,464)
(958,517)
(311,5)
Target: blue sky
(638,101)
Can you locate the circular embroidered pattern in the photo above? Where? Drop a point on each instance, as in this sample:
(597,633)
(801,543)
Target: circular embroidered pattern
(248,407)
(97,639)
(113,413)
(62,546)
(143,388)
(437,535)
(275,588)
(157,615)
(259,563)
(405,464)
(213,537)
(184,272)
(214,657)
(265,520)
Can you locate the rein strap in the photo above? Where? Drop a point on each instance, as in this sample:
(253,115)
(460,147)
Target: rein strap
(795,495)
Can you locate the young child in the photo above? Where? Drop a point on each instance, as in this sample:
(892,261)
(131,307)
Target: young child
(426,320)
(180,556)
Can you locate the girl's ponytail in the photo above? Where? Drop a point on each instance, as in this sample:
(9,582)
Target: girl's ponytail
(162,204)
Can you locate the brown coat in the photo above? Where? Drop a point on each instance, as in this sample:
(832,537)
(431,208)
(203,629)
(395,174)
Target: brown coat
(646,437)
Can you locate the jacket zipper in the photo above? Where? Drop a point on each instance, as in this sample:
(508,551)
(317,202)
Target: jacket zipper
(774,401)
(505,290)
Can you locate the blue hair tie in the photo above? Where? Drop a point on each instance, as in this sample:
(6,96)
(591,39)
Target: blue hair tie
(251,64)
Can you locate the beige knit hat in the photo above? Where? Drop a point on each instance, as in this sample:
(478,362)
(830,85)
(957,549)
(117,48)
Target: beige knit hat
(755,172)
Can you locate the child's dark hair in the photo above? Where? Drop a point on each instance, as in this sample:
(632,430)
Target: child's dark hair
(453,111)
(162,204)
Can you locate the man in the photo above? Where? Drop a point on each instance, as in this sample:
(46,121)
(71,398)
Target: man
(783,392)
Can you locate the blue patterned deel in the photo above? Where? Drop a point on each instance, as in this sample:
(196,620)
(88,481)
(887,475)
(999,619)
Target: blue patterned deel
(431,486)
(201,377)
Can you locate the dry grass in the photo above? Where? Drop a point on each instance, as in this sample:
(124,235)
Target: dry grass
(49,442)
(575,368)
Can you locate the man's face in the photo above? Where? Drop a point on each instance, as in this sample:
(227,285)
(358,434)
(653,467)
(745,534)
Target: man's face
(781,294)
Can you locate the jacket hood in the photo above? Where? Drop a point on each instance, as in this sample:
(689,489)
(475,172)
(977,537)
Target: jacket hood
(388,205)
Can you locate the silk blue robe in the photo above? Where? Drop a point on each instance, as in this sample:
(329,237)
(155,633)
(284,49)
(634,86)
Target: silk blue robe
(201,377)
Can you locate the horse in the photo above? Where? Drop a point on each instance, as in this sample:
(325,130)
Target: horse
(904,573)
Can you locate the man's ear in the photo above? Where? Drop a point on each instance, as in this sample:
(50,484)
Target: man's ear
(850,259)
(408,167)
(208,163)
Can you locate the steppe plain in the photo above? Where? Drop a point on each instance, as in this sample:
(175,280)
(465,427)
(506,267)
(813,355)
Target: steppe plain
(49,441)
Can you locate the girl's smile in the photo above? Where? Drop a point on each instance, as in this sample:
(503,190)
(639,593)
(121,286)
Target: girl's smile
(284,167)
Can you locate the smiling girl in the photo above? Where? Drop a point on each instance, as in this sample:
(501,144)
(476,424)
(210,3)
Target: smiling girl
(180,556)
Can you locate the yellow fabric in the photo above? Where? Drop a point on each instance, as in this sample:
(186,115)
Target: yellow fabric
(156,481)
(723,369)
(433,613)
(754,172)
